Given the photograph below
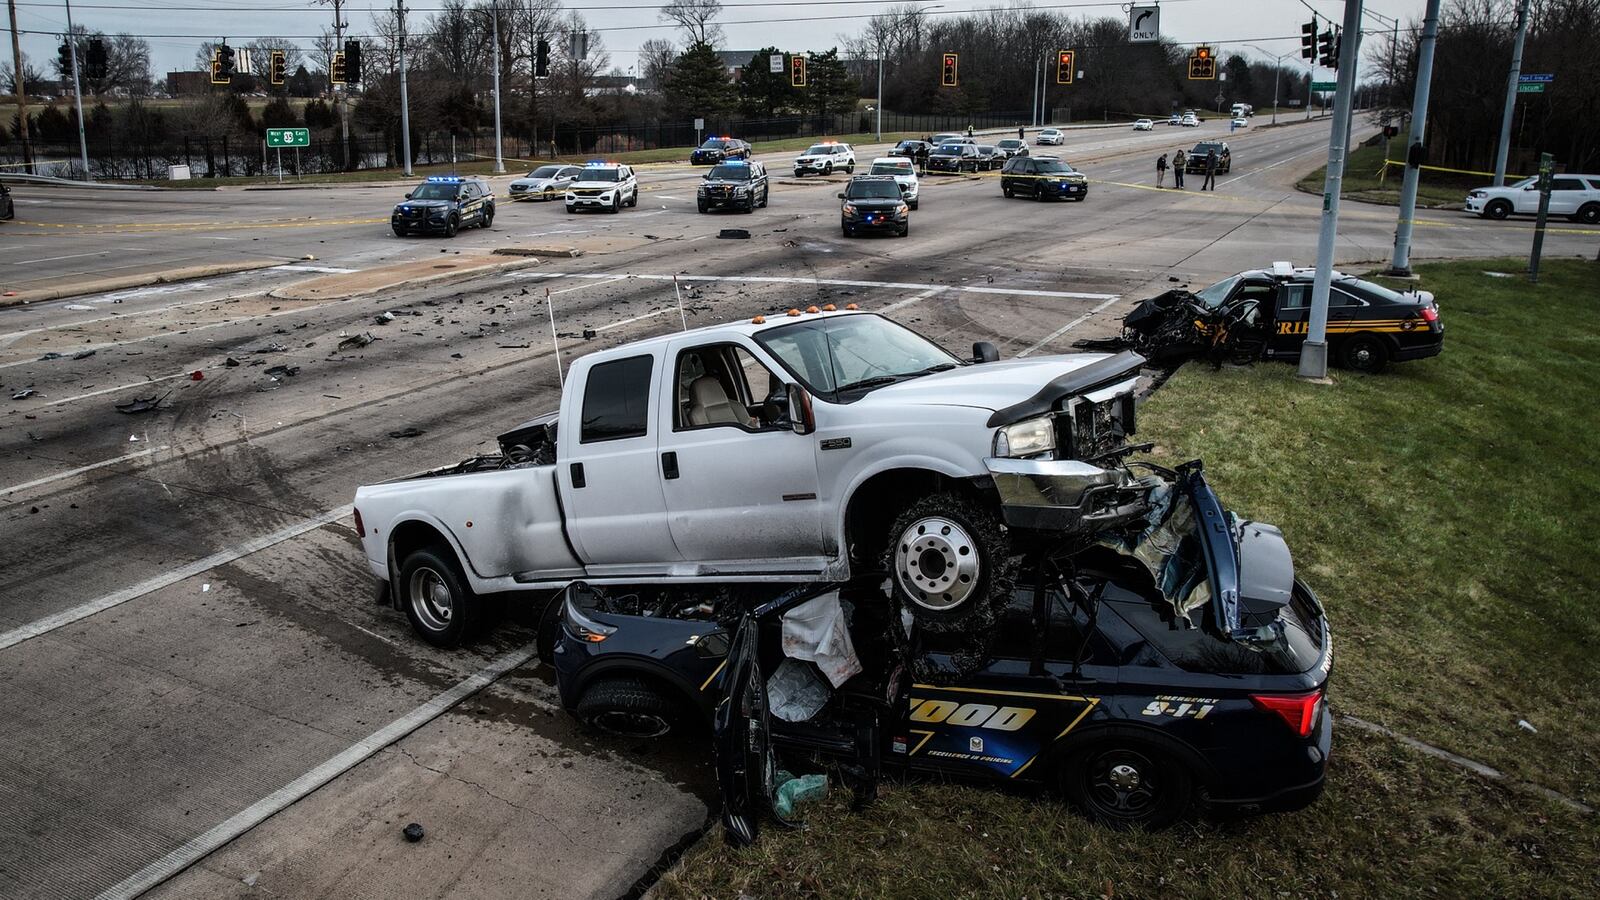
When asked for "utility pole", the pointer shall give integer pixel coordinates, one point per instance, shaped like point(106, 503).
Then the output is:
point(1035, 107)
point(1314, 352)
point(77, 92)
point(405, 103)
point(1511, 95)
point(339, 25)
point(1401, 263)
point(878, 126)
point(499, 158)
point(22, 92)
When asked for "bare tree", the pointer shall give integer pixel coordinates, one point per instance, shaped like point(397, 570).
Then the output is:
point(655, 59)
point(695, 18)
point(260, 51)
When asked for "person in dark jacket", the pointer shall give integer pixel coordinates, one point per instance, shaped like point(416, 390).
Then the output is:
point(922, 158)
point(1178, 162)
point(1020, 135)
point(1211, 172)
point(1161, 170)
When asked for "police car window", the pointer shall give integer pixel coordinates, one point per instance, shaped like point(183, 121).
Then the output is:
point(1565, 184)
point(1216, 293)
point(1337, 297)
point(1296, 296)
point(890, 168)
point(1053, 166)
point(601, 175)
point(819, 150)
point(878, 190)
point(731, 173)
point(616, 400)
point(435, 191)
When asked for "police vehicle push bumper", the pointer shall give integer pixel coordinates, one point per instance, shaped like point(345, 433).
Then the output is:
point(1065, 189)
point(422, 217)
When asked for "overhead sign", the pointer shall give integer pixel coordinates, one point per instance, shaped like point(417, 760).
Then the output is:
point(1535, 87)
point(775, 64)
point(1543, 79)
point(1144, 24)
point(288, 137)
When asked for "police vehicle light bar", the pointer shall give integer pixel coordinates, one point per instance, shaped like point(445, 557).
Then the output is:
point(445, 179)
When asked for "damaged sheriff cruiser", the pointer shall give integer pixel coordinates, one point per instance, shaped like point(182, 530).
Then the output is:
point(802, 447)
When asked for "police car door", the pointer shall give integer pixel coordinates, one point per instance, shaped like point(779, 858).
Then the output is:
point(742, 738)
point(1289, 332)
point(471, 203)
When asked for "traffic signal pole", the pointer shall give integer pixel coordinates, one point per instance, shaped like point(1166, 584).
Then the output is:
point(77, 92)
point(1401, 263)
point(21, 91)
point(1314, 352)
point(499, 158)
point(405, 103)
point(1511, 95)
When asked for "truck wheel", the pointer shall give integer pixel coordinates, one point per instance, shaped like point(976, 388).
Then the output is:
point(628, 708)
point(1364, 353)
point(437, 600)
point(952, 563)
point(1126, 784)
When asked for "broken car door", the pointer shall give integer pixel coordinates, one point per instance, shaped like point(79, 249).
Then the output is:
point(740, 484)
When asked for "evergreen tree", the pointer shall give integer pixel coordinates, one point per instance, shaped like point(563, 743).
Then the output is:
point(697, 83)
point(763, 92)
point(829, 88)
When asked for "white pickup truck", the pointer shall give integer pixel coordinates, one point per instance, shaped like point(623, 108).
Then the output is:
point(811, 445)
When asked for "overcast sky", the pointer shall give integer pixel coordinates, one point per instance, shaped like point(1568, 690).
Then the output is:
point(1272, 24)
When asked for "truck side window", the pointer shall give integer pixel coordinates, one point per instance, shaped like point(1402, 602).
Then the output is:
point(616, 400)
point(722, 384)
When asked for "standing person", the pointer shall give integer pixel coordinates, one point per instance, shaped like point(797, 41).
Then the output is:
point(1161, 170)
point(1211, 172)
point(922, 159)
point(1178, 162)
point(1020, 135)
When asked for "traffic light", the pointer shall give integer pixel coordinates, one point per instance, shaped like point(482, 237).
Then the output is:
point(225, 61)
point(352, 62)
point(1064, 67)
point(1325, 50)
point(276, 66)
point(1308, 39)
point(1202, 65)
point(948, 78)
point(64, 59)
point(95, 64)
point(1338, 46)
point(541, 59)
point(336, 74)
point(797, 70)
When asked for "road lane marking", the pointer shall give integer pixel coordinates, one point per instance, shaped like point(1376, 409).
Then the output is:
point(830, 282)
point(117, 598)
point(26, 485)
point(76, 323)
point(914, 298)
point(589, 285)
point(1068, 327)
point(331, 270)
point(124, 387)
point(220, 834)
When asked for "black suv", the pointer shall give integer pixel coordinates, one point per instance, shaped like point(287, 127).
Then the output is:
point(1042, 178)
point(911, 149)
point(717, 149)
point(1195, 163)
point(443, 204)
point(955, 158)
point(740, 185)
point(873, 203)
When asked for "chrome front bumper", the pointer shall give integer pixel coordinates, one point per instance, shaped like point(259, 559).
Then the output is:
point(1066, 495)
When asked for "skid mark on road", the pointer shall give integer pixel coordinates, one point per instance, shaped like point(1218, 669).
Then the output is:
point(81, 469)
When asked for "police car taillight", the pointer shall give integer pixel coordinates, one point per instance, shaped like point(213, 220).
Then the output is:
point(1429, 314)
point(1299, 711)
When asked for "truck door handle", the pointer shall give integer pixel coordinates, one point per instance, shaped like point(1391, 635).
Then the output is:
point(669, 465)
point(577, 475)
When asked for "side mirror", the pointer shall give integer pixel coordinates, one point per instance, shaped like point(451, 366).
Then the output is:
point(801, 418)
point(984, 352)
point(841, 195)
point(408, 195)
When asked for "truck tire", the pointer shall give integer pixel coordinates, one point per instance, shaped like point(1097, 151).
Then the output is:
point(1125, 783)
point(627, 708)
point(442, 608)
point(952, 564)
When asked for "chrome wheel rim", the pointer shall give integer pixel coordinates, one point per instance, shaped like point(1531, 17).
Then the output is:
point(937, 563)
point(431, 599)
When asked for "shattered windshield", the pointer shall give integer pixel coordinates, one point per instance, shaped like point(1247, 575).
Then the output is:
point(843, 353)
point(1215, 294)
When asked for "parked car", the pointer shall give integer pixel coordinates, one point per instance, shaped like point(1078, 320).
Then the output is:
point(954, 158)
point(846, 435)
point(950, 137)
point(717, 149)
point(1143, 125)
point(737, 184)
point(1195, 162)
point(1175, 119)
point(990, 157)
point(874, 203)
point(544, 183)
point(1013, 147)
point(904, 172)
point(1042, 178)
point(1050, 137)
point(1190, 120)
point(825, 158)
point(1574, 196)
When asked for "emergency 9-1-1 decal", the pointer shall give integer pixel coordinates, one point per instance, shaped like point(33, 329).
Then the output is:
point(1002, 731)
point(1180, 707)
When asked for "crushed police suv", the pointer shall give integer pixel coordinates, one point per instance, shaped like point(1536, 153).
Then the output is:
point(444, 204)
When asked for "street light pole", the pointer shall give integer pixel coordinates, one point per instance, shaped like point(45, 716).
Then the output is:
point(405, 103)
point(77, 92)
point(1511, 95)
point(499, 158)
point(1401, 263)
point(878, 127)
point(21, 91)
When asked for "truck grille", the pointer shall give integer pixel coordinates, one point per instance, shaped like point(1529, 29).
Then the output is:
point(1088, 430)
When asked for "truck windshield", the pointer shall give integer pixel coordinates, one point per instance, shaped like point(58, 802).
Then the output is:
point(846, 353)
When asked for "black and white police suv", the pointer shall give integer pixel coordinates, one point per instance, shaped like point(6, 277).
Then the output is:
point(444, 204)
point(737, 184)
point(826, 158)
point(717, 149)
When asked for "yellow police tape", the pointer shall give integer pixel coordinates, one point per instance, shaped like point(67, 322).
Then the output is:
point(1401, 163)
point(89, 228)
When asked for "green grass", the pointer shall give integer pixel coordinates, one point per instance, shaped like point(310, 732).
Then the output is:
point(1445, 511)
point(485, 167)
point(1366, 179)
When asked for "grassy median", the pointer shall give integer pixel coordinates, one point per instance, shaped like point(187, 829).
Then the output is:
point(1446, 512)
point(1367, 179)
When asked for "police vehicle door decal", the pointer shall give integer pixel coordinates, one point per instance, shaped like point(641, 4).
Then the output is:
point(999, 731)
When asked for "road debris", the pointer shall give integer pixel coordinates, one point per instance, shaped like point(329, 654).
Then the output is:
point(83, 354)
point(197, 375)
point(410, 431)
point(277, 372)
point(141, 405)
point(270, 347)
point(1527, 726)
point(356, 341)
point(24, 394)
point(49, 356)
point(231, 363)
point(383, 318)
point(413, 832)
point(739, 234)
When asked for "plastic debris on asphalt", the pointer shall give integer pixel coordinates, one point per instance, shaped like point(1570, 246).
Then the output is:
point(356, 340)
point(413, 832)
point(24, 394)
point(140, 405)
point(410, 431)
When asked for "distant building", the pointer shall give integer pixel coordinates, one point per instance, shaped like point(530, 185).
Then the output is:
point(188, 84)
point(735, 61)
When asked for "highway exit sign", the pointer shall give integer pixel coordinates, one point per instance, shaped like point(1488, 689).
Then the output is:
point(288, 137)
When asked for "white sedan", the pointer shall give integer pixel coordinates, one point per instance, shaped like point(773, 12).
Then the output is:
point(545, 182)
point(1050, 136)
point(1241, 122)
point(1144, 125)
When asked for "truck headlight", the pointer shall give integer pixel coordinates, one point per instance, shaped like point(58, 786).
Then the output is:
point(1027, 438)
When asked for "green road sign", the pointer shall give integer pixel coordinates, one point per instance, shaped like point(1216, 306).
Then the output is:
point(288, 137)
point(1324, 85)
point(1535, 87)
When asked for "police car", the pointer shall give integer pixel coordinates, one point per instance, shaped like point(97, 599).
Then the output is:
point(605, 186)
point(739, 184)
point(444, 204)
point(717, 149)
point(1158, 672)
point(824, 158)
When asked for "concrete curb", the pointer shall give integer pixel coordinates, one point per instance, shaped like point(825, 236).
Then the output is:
point(296, 291)
point(125, 282)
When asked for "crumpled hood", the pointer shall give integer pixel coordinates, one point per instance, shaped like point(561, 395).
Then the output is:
point(991, 386)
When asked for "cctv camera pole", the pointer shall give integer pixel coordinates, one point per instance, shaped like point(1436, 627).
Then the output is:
point(499, 159)
point(22, 92)
point(405, 104)
point(1314, 352)
point(1511, 95)
point(77, 91)
point(1401, 263)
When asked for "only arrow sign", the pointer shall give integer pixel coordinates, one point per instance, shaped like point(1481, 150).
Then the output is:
point(1144, 24)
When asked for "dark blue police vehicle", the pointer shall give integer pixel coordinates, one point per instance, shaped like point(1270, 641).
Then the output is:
point(444, 204)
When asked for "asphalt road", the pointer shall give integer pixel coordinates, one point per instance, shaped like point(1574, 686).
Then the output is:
point(187, 632)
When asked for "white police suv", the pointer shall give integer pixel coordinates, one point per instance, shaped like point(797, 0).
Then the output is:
point(604, 186)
